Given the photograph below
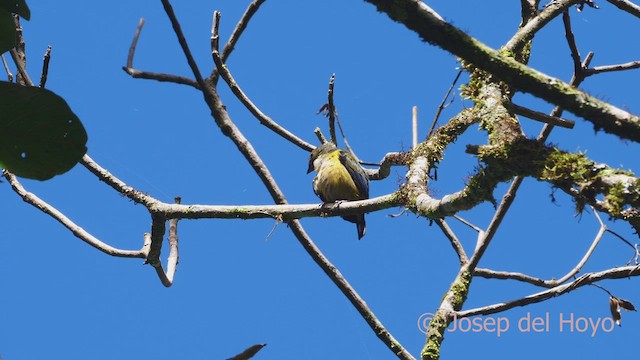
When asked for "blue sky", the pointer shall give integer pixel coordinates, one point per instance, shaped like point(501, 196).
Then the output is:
point(236, 285)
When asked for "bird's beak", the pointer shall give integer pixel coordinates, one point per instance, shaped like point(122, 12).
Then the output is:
point(310, 169)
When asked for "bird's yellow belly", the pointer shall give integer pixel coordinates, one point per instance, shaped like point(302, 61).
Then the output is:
point(335, 183)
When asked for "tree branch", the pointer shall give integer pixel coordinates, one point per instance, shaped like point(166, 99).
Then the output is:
point(264, 119)
point(228, 128)
point(536, 23)
point(627, 6)
point(76, 230)
point(538, 116)
point(138, 74)
point(241, 26)
point(586, 279)
point(418, 17)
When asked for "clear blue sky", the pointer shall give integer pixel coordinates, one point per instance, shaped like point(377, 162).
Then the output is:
point(237, 286)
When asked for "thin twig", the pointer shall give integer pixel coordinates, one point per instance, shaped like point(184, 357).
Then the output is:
point(538, 116)
point(586, 279)
point(608, 68)
point(536, 23)
point(215, 35)
point(138, 74)
point(172, 261)
point(469, 224)
point(503, 275)
point(158, 229)
point(19, 55)
point(18, 59)
point(320, 135)
point(576, 79)
point(45, 67)
point(485, 238)
point(117, 184)
point(6, 68)
point(453, 239)
point(627, 6)
point(511, 275)
point(338, 279)
point(346, 141)
point(134, 43)
point(573, 47)
point(332, 111)
point(585, 258)
point(414, 127)
point(443, 103)
point(636, 251)
point(241, 26)
point(257, 113)
point(76, 230)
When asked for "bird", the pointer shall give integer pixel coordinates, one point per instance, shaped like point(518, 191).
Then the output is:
point(339, 177)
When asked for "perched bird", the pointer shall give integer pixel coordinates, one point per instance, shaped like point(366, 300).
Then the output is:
point(339, 177)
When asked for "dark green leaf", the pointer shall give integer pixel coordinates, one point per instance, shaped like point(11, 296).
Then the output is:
point(40, 136)
point(7, 31)
point(16, 7)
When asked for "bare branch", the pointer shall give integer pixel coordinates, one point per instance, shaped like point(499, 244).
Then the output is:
point(503, 275)
point(138, 74)
point(134, 43)
point(283, 211)
point(485, 238)
point(414, 127)
point(627, 6)
point(573, 47)
point(338, 279)
point(6, 68)
point(19, 56)
point(172, 261)
point(469, 224)
point(509, 275)
point(528, 10)
point(455, 242)
point(215, 36)
point(384, 168)
point(252, 9)
point(443, 103)
point(538, 116)
point(608, 68)
point(117, 184)
point(576, 80)
point(76, 230)
point(45, 67)
point(331, 111)
point(586, 279)
point(264, 119)
point(526, 32)
point(241, 26)
point(21, 66)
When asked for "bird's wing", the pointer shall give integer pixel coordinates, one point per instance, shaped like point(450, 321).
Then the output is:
point(358, 175)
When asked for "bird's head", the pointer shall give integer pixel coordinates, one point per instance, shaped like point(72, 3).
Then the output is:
point(318, 153)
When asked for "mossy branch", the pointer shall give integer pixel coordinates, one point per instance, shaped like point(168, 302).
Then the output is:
point(431, 27)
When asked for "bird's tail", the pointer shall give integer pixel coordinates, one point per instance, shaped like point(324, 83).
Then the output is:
point(360, 223)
